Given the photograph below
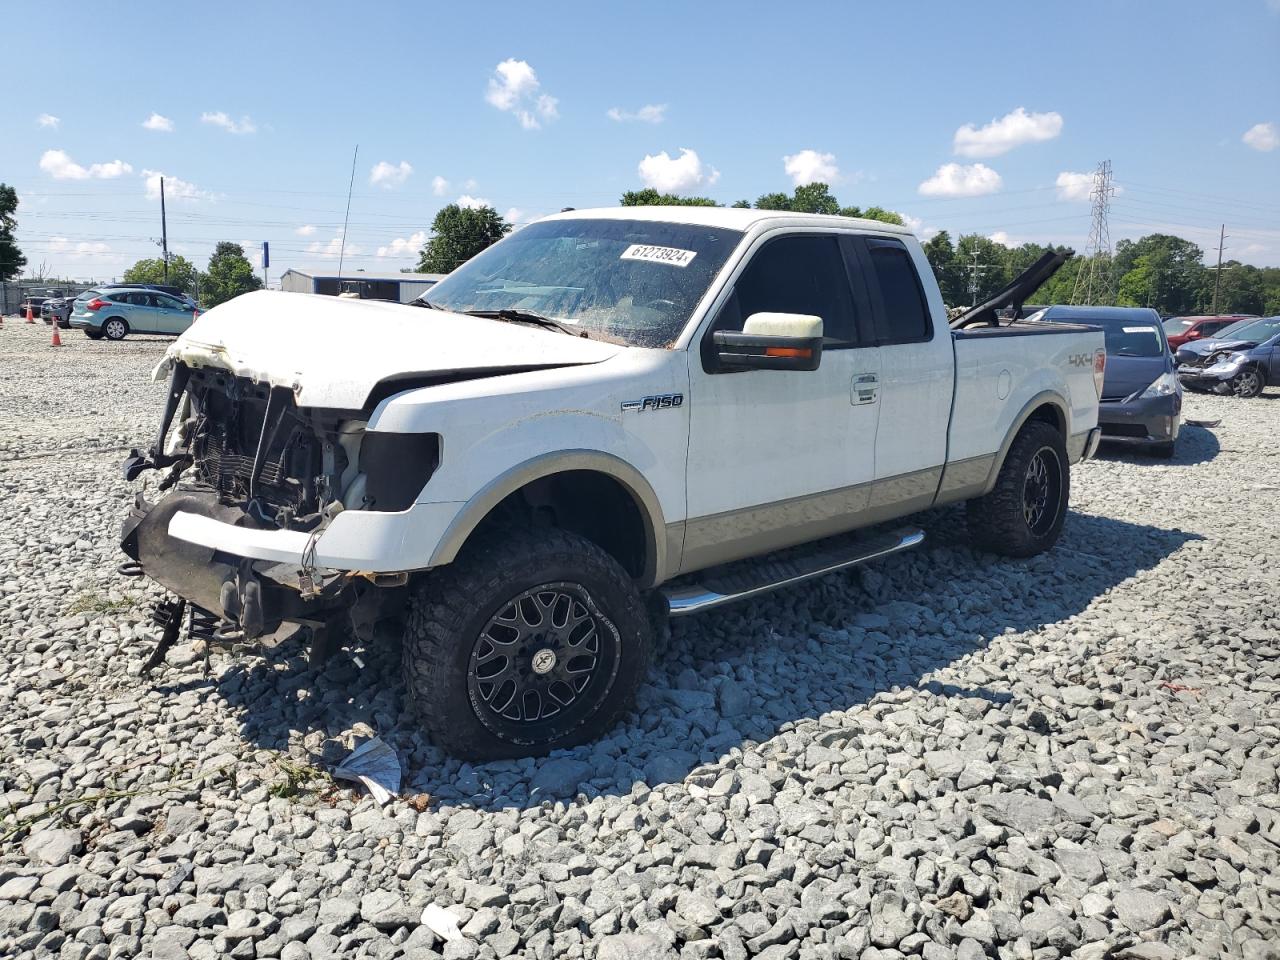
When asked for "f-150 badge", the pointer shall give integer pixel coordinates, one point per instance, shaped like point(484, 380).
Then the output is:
point(661, 402)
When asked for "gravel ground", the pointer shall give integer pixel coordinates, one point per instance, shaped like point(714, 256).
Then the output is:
point(947, 755)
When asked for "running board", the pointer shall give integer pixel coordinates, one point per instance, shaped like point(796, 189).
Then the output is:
point(749, 578)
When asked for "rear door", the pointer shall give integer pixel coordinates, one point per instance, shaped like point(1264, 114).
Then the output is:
point(782, 456)
point(917, 377)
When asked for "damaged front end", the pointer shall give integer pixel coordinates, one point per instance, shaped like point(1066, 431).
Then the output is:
point(240, 453)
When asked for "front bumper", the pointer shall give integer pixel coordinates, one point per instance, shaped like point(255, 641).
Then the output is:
point(1150, 420)
point(256, 594)
point(1210, 377)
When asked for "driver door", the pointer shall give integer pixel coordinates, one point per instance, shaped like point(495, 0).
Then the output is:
point(778, 457)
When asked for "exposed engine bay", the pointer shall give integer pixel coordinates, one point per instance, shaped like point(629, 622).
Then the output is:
point(242, 452)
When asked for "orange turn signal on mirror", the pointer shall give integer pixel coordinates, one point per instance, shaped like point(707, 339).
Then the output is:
point(798, 352)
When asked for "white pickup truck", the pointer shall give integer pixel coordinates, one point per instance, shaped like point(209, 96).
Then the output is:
point(598, 421)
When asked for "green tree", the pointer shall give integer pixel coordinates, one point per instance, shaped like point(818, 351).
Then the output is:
point(941, 254)
point(229, 275)
point(741, 204)
point(458, 234)
point(773, 201)
point(649, 197)
point(814, 198)
point(11, 259)
point(1173, 272)
point(182, 273)
point(883, 215)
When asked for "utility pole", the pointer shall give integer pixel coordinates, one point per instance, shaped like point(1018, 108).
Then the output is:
point(975, 270)
point(164, 233)
point(1217, 274)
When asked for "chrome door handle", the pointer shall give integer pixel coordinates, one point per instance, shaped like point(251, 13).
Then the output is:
point(864, 388)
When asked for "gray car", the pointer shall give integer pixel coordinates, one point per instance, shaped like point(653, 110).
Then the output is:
point(115, 313)
point(1141, 400)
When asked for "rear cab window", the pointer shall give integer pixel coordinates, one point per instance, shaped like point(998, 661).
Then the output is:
point(900, 310)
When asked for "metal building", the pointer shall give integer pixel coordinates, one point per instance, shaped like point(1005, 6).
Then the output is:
point(396, 287)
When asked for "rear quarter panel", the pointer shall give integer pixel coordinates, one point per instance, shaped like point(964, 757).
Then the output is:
point(1000, 379)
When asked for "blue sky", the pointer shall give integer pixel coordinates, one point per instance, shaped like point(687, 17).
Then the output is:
point(965, 117)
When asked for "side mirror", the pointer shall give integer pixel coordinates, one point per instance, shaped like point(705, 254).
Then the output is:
point(772, 341)
point(1194, 335)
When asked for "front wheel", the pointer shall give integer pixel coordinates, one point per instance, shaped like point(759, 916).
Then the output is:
point(1023, 514)
point(529, 642)
point(1248, 383)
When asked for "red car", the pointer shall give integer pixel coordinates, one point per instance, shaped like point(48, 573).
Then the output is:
point(1179, 330)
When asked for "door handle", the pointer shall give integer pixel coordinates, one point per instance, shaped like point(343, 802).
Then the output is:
point(864, 389)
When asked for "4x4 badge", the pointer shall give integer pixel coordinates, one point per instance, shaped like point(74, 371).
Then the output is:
point(661, 402)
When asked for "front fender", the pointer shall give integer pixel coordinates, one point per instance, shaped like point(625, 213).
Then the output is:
point(657, 549)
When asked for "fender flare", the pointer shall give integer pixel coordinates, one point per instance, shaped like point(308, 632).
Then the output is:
point(548, 464)
point(1049, 397)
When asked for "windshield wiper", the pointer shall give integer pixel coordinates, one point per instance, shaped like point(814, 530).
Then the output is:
point(525, 316)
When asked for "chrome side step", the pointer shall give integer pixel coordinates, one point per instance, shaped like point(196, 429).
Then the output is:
point(749, 578)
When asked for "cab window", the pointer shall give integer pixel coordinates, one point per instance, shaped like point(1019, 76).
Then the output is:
point(902, 315)
point(804, 273)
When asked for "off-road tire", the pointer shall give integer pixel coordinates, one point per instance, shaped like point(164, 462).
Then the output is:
point(1163, 451)
point(997, 521)
point(451, 606)
point(115, 328)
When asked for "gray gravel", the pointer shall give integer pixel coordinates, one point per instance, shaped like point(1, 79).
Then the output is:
point(948, 755)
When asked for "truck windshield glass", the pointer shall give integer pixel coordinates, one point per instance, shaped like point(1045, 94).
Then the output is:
point(628, 280)
point(1175, 325)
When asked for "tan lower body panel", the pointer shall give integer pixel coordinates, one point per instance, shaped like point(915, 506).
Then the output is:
point(752, 531)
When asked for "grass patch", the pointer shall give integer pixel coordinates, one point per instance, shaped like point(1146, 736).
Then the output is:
point(90, 601)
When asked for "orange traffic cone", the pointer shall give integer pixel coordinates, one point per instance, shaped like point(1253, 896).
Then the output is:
point(30, 318)
point(57, 340)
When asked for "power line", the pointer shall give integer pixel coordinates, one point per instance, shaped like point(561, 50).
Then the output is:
point(1217, 274)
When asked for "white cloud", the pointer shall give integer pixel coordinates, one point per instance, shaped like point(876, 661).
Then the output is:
point(48, 120)
point(390, 175)
point(1263, 136)
point(58, 165)
point(513, 215)
point(158, 123)
point(67, 250)
point(474, 203)
point(305, 230)
point(668, 174)
point(1002, 135)
point(404, 246)
point(1079, 186)
point(174, 188)
point(961, 180)
point(810, 166)
point(649, 113)
point(439, 185)
point(514, 88)
point(333, 249)
point(1003, 239)
point(220, 119)
point(917, 226)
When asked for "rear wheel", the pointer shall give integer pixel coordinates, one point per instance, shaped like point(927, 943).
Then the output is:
point(529, 642)
point(1023, 514)
point(1248, 383)
point(93, 334)
point(115, 329)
